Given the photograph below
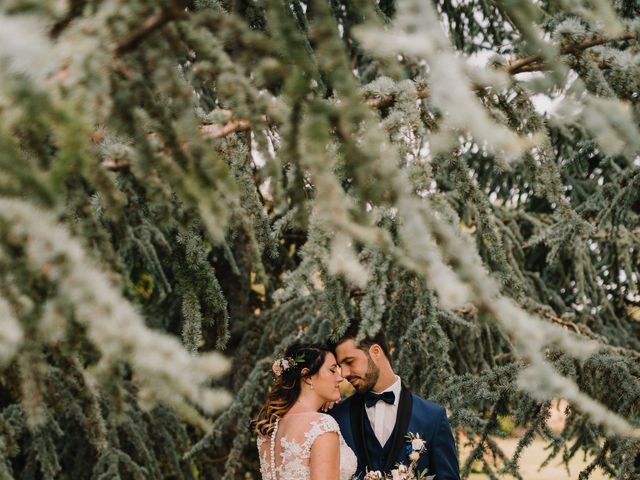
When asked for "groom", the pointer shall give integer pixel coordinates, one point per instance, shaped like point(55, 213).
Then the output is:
point(376, 419)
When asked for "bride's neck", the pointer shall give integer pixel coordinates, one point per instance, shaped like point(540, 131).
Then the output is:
point(306, 403)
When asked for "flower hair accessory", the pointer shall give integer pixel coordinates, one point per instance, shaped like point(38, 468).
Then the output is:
point(281, 365)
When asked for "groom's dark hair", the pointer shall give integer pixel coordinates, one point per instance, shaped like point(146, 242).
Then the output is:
point(351, 333)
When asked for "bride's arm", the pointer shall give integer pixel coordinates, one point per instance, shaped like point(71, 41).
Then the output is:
point(325, 457)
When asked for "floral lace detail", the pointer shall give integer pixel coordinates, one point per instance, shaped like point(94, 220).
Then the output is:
point(264, 460)
point(293, 461)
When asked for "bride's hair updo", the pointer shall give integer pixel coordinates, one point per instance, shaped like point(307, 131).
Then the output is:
point(287, 385)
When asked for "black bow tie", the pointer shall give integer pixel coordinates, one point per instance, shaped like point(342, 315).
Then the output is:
point(370, 398)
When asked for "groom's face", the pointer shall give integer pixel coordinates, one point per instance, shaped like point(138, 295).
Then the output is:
point(357, 366)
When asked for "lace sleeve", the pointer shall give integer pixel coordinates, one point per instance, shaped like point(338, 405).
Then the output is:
point(324, 424)
point(265, 471)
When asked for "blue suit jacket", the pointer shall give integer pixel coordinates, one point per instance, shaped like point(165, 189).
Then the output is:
point(415, 415)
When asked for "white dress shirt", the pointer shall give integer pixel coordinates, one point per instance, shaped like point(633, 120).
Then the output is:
point(382, 415)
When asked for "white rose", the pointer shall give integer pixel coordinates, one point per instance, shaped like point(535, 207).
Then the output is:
point(417, 444)
point(395, 474)
point(414, 456)
point(373, 475)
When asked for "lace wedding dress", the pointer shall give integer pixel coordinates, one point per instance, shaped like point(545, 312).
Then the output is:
point(285, 455)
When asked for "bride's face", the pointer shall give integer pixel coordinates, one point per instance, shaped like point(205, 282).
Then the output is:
point(326, 383)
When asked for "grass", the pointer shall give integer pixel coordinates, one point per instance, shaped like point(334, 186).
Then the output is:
point(532, 458)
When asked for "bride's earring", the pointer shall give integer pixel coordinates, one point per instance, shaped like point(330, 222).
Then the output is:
point(311, 385)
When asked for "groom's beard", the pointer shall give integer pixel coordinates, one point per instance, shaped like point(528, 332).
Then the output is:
point(366, 383)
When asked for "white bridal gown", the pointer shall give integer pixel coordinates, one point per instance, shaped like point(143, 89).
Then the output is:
point(285, 454)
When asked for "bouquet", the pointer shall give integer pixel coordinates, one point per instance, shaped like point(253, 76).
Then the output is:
point(417, 447)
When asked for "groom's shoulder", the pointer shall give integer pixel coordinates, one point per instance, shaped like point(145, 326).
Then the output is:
point(342, 409)
point(427, 408)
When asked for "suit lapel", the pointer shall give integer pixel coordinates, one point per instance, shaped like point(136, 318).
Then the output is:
point(405, 405)
point(357, 413)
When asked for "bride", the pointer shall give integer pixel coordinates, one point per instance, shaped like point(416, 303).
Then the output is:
point(295, 440)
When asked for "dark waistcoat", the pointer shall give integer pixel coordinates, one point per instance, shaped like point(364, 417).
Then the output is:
point(415, 415)
point(378, 455)
point(370, 453)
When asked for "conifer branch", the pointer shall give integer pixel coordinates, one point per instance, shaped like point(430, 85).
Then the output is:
point(563, 323)
point(606, 234)
point(75, 10)
point(214, 130)
point(388, 100)
point(113, 166)
point(531, 63)
point(534, 62)
point(218, 131)
point(150, 25)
